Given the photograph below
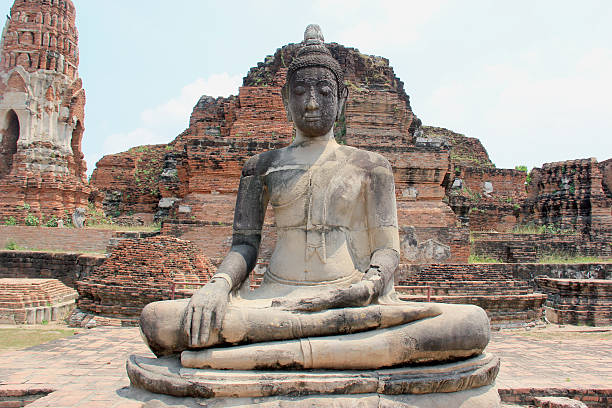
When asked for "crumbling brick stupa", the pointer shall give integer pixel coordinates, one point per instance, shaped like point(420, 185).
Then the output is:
point(196, 182)
point(42, 104)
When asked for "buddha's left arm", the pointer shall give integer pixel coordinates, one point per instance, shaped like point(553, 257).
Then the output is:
point(382, 228)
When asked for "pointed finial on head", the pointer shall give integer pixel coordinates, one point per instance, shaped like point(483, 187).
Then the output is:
point(313, 34)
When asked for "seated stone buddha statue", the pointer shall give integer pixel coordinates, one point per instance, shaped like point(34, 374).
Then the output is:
point(327, 299)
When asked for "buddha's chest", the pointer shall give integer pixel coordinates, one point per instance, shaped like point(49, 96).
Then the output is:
point(316, 194)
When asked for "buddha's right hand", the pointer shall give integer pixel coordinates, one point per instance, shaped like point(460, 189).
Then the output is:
point(205, 311)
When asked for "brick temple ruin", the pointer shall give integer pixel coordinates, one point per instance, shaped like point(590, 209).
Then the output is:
point(448, 190)
point(42, 102)
point(452, 200)
point(193, 181)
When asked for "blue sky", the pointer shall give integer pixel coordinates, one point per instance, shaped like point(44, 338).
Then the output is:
point(530, 79)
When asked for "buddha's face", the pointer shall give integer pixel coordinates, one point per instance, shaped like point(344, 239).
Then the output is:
point(313, 100)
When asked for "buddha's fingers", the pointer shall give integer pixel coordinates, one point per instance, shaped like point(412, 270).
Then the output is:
point(187, 322)
point(195, 326)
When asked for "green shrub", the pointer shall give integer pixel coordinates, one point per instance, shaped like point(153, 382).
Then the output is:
point(51, 222)
point(521, 168)
point(10, 221)
point(11, 245)
point(32, 220)
point(473, 258)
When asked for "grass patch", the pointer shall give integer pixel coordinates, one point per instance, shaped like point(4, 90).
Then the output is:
point(541, 229)
point(126, 228)
point(568, 259)
point(473, 259)
point(21, 337)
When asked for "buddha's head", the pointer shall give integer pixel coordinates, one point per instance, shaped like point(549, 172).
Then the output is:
point(314, 93)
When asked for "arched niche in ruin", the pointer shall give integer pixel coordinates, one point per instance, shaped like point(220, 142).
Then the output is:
point(75, 143)
point(24, 60)
point(8, 147)
point(16, 83)
point(27, 38)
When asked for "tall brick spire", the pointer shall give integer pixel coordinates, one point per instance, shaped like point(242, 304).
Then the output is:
point(41, 34)
point(42, 109)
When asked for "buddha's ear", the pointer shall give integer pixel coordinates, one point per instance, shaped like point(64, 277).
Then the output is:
point(342, 102)
point(285, 95)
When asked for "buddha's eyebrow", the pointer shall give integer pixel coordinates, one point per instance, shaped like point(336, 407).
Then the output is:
point(324, 82)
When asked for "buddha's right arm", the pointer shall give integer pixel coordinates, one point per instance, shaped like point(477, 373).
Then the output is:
point(207, 306)
point(249, 213)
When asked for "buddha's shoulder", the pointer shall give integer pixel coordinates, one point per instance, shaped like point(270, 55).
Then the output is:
point(260, 163)
point(364, 159)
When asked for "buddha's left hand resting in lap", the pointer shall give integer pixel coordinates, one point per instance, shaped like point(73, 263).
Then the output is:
point(327, 299)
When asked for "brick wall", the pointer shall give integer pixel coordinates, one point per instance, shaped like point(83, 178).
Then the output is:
point(56, 239)
point(523, 248)
point(502, 271)
point(573, 194)
point(66, 267)
point(507, 183)
point(577, 301)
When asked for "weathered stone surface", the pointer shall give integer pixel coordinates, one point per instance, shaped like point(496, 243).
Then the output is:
point(433, 381)
point(41, 113)
point(558, 402)
point(34, 301)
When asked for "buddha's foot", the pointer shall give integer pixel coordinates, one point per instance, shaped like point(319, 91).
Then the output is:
point(459, 332)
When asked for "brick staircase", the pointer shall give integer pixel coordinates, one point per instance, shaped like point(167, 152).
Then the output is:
point(508, 302)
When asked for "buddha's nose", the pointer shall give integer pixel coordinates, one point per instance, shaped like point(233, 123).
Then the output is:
point(312, 103)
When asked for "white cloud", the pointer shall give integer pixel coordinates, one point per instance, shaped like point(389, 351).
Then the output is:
point(528, 116)
point(389, 24)
point(179, 107)
point(162, 123)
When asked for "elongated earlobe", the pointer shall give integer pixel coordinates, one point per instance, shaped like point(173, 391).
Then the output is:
point(285, 95)
point(342, 102)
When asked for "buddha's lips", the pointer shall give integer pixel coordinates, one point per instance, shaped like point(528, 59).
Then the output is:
point(313, 118)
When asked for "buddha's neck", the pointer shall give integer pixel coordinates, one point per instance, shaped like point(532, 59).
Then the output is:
point(302, 141)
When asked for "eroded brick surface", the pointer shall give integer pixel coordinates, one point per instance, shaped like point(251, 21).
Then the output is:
point(578, 301)
point(42, 102)
point(30, 301)
point(142, 271)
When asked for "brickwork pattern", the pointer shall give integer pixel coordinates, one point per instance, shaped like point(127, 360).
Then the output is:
point(42, 112)
point(508, 301)
point(141, 271)
point(65, 267)
point(572, 195)
point(56, 239)
point(525, 248)
point(578, 301)
point(34, 300)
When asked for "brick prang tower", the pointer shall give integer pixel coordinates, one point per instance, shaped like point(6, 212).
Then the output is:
point(42, 109)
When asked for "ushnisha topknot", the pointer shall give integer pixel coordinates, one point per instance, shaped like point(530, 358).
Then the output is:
point(314, 53)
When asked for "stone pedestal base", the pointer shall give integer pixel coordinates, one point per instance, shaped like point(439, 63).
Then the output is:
point(462, 384)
